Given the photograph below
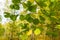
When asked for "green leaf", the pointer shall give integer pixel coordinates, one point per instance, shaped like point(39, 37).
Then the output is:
point(33, 26)
point(38, 27)
point(57, 7)
point(32, 8)
point(35, 21)
point(38, 0)
point(21, 25)
point(29, 18)
point(16, 1)
point(2, 30)
point(26, 29)
point(55, 34)
point(58, 27)
point(58, 20)
point(49, 27)
point(24, 5)
point(48, 33)
point(52, 5)
point(6, 14)
point(14, 6)
point(29, 6)
point(29, 3)
point(53, 0)
point(22, 17)
point(24, 37)
point(41, 3)
point(13, 17)
point(41, 0)
point(52, 19)
point(24, 26)
point(52, 13)
point(41, 28)
point(19, 33)
point(42, 19)
point(45, 13)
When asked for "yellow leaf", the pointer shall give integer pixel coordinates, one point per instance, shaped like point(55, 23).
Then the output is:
point(37, 31)
point(31, 1)
point(58, 27)
point(29, 32)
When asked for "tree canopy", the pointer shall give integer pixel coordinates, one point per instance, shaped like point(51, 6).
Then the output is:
point(39, 17)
